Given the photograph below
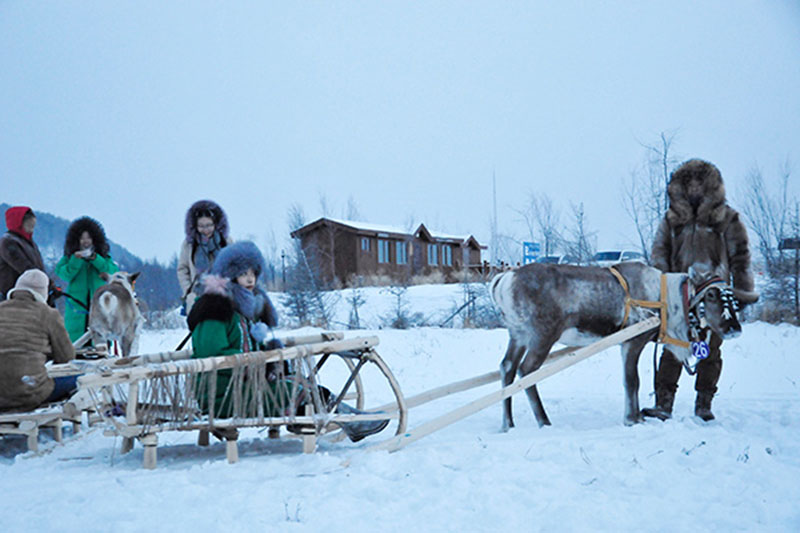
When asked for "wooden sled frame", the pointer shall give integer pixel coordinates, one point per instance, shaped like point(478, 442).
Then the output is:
point(29, 423)
point(109, 384)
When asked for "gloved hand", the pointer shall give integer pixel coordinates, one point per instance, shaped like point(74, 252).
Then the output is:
point(259, 332)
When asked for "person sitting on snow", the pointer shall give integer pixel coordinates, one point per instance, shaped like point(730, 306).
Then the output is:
point(32, 334)
point(233, 315)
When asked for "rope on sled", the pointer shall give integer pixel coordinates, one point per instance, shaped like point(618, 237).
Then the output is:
point(256, 391)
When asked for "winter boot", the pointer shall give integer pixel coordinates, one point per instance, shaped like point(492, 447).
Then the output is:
point(702, 406)
point(663, 408)
point(358, 430)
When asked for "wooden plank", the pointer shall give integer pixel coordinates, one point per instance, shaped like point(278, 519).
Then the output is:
point(221, 362)
point(521, 384)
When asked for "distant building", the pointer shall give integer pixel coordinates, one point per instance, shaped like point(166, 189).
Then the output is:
point(343, 249)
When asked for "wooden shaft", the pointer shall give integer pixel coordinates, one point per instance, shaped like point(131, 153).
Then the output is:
point(464, 385)
point(521, 384)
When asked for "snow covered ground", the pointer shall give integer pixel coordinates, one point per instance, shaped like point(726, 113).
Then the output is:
point(586, 472)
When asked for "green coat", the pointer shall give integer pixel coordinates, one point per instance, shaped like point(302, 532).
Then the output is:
point(83, 278)
point(212, 338)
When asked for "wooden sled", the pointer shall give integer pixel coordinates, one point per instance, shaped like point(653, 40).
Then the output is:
point(29, 423)
point(150, 394)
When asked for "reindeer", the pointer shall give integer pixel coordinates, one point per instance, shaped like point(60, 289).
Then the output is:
point(114, 313)
point(542, 304)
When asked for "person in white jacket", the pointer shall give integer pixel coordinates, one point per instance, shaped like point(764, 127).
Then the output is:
point(206, 227)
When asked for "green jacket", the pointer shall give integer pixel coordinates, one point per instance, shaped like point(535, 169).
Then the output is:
point(83, 278)
point(212, 338)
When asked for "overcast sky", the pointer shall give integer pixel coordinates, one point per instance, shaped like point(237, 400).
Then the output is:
point(128, 112)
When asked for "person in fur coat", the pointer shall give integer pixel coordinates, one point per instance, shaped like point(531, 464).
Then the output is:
point(699, 228)
point(86, 256)
point(18, 252)
point(206, 228)
point(234, 315)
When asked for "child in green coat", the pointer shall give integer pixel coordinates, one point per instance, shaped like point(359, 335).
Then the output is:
point(233, 315)
point(85, 258)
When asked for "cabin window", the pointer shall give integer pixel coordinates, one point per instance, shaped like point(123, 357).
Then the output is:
point(433, 256)
point(383, 251)
point(364, 244)
point(402, 253)
point(447, 256)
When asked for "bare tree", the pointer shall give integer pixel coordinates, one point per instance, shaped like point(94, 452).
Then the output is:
point(542, 220)
point(645, 196)
point(580, 242)
point(775, 220)
point(351, 211)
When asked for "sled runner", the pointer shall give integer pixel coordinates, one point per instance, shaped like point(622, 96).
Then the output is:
point(142, 396)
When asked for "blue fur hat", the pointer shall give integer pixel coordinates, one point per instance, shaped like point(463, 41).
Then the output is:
point(236, 258)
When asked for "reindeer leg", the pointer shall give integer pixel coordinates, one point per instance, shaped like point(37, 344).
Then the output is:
point(508, 368)
point(631, 351)
point(537, 353)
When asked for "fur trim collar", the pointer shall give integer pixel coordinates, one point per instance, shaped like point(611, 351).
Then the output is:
point(712, 209)
point(255, 306)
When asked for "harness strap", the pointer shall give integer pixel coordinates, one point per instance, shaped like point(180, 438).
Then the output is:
point(647, 304)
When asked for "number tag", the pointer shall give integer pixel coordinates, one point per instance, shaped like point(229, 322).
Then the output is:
point(700, 349)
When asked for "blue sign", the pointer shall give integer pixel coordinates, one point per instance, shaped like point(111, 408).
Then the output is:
point(530, 252)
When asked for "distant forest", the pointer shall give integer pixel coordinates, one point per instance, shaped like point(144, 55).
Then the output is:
point(157, 287)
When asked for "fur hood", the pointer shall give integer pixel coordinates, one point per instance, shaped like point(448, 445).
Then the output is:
point(206, 208)
point(234, 260)
point(96, 232)
point(712, 210)
point(221, 295)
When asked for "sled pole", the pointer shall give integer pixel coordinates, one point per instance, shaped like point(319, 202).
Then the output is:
point(521, 384)
point(463, 385)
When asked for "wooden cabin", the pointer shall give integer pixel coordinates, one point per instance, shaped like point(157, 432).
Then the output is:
point(341, 250)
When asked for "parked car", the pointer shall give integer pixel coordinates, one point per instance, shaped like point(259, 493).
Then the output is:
point(557, 259)
point(612, 257)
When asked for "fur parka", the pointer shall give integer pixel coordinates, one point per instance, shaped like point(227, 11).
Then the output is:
point(701, 228)
point(83, 274)
point(18, 252)
point(187, 270)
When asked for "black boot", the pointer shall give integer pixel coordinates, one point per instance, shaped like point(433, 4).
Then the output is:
point(702, 406)
point(358, 430)
point(663, 408)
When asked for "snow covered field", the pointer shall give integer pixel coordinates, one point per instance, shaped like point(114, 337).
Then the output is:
point(586, 472)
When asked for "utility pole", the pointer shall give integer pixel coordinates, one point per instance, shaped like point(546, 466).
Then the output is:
point(494, 255)
point(283, 269)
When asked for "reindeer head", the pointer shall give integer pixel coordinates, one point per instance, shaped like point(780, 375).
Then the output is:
point(122, 278)
point(716, 304)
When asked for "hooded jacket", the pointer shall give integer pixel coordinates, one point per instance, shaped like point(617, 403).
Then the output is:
point(33, 333)
point(187, 270)
point(83, 274)
point(18, 252)
point(699, 227)
point(222, 317)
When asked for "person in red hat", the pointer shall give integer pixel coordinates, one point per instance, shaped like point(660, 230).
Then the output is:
point(18, 252)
